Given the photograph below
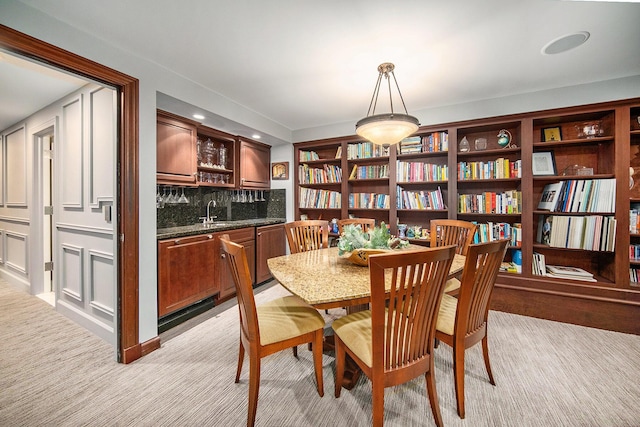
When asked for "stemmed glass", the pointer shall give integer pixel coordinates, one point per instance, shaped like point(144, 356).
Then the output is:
point(166, 197)
point(183, 198)
point(262, 199)
point(159, 199)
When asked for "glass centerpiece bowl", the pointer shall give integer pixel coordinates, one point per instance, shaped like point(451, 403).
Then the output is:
point(356, 245)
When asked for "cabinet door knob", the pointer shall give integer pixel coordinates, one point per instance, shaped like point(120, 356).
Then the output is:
point(223, 256)
point(209, 236)
point(177, 241)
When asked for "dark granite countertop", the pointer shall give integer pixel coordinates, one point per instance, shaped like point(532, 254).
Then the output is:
point(192, 230)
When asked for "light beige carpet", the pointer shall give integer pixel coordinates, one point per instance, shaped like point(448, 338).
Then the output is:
point(53, 373)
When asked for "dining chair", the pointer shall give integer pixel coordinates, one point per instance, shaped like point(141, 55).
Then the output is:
point(452, 232)
point(393, 341)
point(366, 223)
point(307, 235)
point(462, 321)
point(269, 328)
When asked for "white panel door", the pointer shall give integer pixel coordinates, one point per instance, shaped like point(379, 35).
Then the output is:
point(84, 200)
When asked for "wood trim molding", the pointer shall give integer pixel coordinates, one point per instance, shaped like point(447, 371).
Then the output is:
point(128, 94)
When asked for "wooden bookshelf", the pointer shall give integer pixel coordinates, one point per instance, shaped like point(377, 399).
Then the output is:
point(604, 138)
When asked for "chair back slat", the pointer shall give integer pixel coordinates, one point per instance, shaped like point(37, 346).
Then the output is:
point(452, 232)
point(239, 267)
point(308, 235)
point(406, 289)
point(476, 284)
point(366, 223)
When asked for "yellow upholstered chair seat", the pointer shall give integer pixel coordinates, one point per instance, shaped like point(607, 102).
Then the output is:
point(355, 329)
point(451, 285)
point(285, 318)
point(447, 314)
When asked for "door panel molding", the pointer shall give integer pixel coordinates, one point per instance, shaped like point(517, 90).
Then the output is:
point(129, 347)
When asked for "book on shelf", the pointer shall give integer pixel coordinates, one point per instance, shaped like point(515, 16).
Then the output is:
point(566, 272)
point(592, 232)
point(550, 195)
point(579, 195)
point(339, 152)
point(539, 266)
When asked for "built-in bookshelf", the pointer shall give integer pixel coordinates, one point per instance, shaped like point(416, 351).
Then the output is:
point(494, 172)
point(634, 196)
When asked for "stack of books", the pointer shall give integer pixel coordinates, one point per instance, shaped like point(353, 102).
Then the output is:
point(573, 273)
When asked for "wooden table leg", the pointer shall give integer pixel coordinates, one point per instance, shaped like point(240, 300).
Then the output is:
point(351, 370)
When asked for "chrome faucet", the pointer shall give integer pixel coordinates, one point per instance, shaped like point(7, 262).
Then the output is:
point(208, 219)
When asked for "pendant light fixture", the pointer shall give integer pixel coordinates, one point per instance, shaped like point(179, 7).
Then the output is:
point(388, 128)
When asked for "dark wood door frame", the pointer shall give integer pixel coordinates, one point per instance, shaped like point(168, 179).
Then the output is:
point(129, 347)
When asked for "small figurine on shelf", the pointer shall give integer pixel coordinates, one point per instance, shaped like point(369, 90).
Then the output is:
point(464, 147)
point(504, 139)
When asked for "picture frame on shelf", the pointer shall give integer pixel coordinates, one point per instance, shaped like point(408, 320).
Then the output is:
point(543, 163)
point(551, 134)
point(280, 170)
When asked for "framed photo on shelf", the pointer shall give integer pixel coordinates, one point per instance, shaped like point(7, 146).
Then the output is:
point(543, 163)
point(280, 170)
point(552, 134)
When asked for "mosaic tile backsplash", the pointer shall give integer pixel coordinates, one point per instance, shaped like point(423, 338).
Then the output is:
point(230, 205)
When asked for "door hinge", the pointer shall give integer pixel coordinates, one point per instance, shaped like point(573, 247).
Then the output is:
point(48, 266)
point(48, 210)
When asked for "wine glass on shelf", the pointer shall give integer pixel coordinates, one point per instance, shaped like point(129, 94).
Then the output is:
point(159, 199)
point(262, 199)
point(183, 198)
point(166, 197)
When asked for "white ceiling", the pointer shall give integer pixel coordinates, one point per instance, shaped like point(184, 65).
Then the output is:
point(307, 64)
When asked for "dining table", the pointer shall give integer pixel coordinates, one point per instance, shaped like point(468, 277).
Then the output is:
point(326, 280)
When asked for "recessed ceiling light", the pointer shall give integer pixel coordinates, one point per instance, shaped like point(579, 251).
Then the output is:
point(198, 116)
point(256, 136)
point(565, 43)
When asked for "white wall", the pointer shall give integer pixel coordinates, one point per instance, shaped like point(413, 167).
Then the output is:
point(155, 79)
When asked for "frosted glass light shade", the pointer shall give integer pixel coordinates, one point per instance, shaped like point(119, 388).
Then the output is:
point(387, 129)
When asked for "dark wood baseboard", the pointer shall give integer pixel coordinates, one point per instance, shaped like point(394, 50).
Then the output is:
point(149, 346)
point(131, 354)
point(603, 308)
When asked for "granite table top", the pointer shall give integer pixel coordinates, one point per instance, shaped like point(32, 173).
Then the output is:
point(193, 230)
point(326, 280)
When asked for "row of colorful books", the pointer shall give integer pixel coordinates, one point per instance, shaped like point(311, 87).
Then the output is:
point(419, 171)
point(369, 201)
point(592, 232)
point(579, 195)
point(490, 231)
point(509, 202)
point(369, 172)
point(500, 168)
point(420, 200)
point(434, 142)
point(324, 175)
point(366, 150)
point(320, 199)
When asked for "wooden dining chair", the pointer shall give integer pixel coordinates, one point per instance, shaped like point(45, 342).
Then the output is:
point(452, 232)
point(307, 235)
point(366, 223)
point(393, 341)
point(462, 321)
point(274, 326)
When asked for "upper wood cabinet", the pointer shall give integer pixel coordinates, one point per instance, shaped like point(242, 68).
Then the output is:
point(175, 150)
point(189, 153)
point(254, 161)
